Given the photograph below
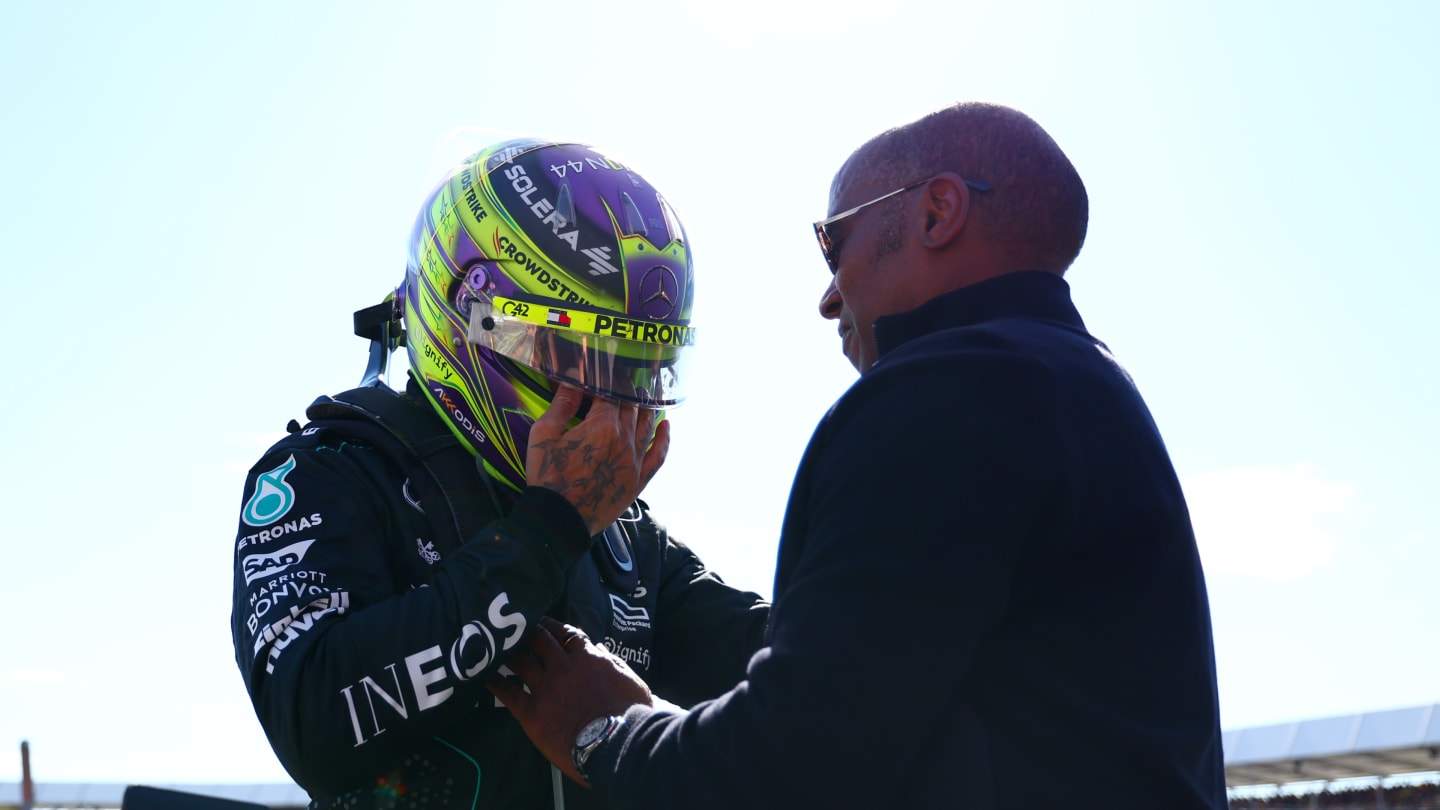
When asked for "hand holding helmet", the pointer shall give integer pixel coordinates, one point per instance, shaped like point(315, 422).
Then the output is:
point(539, 264)
point(601, 464)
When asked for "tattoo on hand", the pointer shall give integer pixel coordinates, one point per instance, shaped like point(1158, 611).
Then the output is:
point(602, 486)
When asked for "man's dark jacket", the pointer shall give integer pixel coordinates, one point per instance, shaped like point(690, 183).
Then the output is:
point(988, 594)
point(365, 628)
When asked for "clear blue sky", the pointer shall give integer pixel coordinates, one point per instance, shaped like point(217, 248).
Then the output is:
point(195, 196)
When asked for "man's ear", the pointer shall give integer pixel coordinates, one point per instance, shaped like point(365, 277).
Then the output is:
point(946, 208)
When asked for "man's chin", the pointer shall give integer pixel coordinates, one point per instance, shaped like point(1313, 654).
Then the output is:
point(850, 346)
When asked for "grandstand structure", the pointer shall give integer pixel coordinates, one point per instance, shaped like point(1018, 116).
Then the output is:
point(88, 795)
point(1260, 763)
point(1374, 744)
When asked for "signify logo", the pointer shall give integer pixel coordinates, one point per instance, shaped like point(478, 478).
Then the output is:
point(638, 657)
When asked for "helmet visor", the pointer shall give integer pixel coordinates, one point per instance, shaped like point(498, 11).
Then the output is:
point(606, 354)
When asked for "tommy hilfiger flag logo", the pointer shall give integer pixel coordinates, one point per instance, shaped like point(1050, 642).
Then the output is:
point(558, 317)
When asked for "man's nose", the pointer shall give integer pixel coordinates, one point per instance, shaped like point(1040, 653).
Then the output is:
point(830, 302)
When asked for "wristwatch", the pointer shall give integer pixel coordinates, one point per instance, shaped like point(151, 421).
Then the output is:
point(595, 732)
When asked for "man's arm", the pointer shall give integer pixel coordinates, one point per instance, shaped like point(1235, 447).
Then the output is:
point(905, 526)
point(347, 663)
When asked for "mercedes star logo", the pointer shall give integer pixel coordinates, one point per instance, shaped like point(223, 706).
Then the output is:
point(659, 292)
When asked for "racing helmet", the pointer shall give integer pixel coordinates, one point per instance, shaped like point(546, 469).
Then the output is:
point(532, 262)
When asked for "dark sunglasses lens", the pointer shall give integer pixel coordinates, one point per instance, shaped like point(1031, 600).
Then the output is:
point(826, 248)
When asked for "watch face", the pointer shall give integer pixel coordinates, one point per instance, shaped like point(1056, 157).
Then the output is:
point(591, 732)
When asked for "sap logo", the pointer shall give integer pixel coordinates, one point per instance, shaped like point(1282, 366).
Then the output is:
point(301, 618)
point(634, 656)
point(256, 566)
point(426, 678)
point(627, 616)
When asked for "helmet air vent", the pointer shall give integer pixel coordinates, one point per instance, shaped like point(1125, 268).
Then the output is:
point(672, 222)
point(565, 206)
point(634, 222)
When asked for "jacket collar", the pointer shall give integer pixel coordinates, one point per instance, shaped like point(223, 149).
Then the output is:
point(1032, 295)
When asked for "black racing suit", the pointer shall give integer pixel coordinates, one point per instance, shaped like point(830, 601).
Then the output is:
point(365, 628)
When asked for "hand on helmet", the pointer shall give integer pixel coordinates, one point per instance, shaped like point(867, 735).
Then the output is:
point(600, 465)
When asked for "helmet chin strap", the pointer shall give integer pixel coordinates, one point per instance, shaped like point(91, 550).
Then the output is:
point(382, 326)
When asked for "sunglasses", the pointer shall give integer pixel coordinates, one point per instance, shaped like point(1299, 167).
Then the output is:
point(822, 228)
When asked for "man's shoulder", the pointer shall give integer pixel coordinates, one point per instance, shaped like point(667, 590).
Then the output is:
point(1017, 351)
point(328, 442)
point(968, 380)
point(1015, 355)
point(1018, 335)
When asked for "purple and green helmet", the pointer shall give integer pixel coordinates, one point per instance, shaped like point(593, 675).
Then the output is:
point(534, 262)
